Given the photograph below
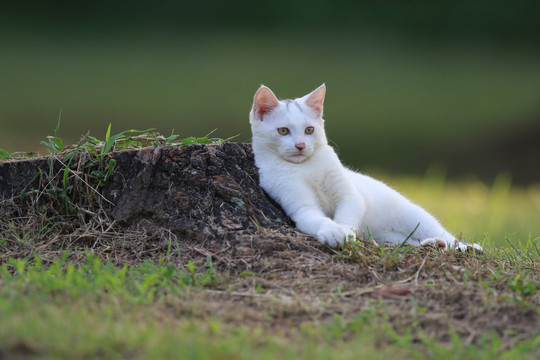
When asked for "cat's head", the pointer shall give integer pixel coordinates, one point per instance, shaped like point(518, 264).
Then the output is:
point(291, 129)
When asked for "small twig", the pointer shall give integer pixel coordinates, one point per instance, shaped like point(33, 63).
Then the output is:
point(419, 269)
point(376, 276)
point(416, 274)
point(110, 226)
point(87, 184)
point(362, 291)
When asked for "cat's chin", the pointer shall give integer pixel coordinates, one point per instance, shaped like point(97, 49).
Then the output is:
point(296, 158)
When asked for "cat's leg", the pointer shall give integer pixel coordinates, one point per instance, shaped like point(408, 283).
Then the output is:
point(390, 236)
point(349, 213)
point(443, 242)
point(439, 237)
point(311, 220)
point(430, 232)
point(301, 204)
point(435, 235)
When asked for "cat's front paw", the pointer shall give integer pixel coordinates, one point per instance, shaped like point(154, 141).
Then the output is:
point(351, 232)
point(333, 234)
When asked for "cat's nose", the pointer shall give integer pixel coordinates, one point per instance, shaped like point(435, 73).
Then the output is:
point(300, 146)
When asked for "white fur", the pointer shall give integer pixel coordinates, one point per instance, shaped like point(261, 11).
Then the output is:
point(303, 174)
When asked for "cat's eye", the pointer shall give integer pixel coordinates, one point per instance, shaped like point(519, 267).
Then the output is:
point(283, 131)
point(310, 130)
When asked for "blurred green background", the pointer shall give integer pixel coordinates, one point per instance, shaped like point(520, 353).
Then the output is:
point(413, 86)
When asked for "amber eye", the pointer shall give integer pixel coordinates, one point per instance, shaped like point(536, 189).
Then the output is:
point(283, 131)
point(309, 130)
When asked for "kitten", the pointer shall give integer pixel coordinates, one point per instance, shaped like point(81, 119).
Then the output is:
point(302, 173)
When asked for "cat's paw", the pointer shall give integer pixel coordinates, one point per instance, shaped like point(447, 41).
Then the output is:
point(333, 234)
point(351, 232)
point(435, 242)
point(458, 245)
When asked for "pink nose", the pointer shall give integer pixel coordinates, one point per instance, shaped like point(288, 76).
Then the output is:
point(300, 146)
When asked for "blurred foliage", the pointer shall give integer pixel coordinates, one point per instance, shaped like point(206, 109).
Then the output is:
point(485, 19)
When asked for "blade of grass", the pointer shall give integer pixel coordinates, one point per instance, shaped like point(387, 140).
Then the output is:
point(51, 165)
point(408, 236)
point(4, 154)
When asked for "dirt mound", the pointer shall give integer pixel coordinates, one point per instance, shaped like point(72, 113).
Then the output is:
point(131, 204)
point(196, 191)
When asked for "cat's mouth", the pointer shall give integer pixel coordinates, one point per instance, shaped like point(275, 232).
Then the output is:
point(297, 156)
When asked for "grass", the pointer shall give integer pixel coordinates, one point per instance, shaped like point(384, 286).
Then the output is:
point(67, 309)
point(125, 140)
point(93, 292)
point(127, 312)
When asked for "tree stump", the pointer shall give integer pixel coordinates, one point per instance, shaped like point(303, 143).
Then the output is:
point(195, 191)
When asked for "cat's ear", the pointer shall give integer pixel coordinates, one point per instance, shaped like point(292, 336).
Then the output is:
point(264, 101)
point(315, 100)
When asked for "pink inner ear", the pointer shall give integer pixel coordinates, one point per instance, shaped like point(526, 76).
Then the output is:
point(315, 100)
point(264, 101)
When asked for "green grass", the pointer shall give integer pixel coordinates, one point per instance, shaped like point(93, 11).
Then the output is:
point(125, 140)
point(152, 311)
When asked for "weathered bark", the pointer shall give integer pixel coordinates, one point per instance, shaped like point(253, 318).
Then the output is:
point(195, 191)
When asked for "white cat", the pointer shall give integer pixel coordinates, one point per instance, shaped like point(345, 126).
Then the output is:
point(302, 173)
